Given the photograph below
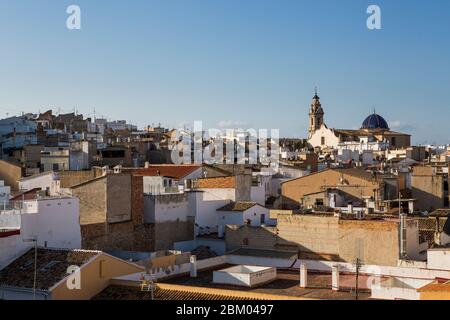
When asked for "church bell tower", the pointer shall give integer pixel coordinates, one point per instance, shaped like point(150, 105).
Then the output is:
point(315, 115)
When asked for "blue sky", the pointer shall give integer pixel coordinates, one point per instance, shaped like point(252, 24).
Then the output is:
point(251, 63)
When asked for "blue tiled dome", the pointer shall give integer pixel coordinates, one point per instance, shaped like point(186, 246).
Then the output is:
point(375, 121)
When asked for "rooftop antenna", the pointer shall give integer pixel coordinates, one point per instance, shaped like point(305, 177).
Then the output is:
point(358, 263)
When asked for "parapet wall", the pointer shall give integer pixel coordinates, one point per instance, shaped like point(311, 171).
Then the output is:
point(323, 237)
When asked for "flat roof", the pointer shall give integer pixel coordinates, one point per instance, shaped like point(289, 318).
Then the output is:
point(286, 284)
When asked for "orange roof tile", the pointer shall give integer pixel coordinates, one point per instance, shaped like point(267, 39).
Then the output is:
point(173, 171)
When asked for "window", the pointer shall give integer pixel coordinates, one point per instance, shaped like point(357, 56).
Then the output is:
point(55, 167)
point(322, 141)
point(319, 202)
point(263, 219)
point(393, 141)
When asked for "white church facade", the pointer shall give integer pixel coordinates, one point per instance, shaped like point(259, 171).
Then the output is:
point(374, 135)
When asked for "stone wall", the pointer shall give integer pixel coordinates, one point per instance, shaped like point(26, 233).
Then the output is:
point(92, 197)
point(427, 188)
point(309, 234)
point(71, 178)
point(118, 197)
point(122, 192)
point(374, 242)
point(120, 236)
point(318, 237)
point(166, 233)
point(253, 237)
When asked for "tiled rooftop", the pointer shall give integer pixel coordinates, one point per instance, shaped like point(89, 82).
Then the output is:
point(117, 292)
point(173, 171)
point(436, 286)
point(237, 206)
point(51, 268)
point(216, 183)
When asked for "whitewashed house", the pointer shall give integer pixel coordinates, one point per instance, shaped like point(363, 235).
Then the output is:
point(243, 212)
point(53, 221)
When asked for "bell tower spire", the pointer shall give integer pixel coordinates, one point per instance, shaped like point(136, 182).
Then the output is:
point(316, 115)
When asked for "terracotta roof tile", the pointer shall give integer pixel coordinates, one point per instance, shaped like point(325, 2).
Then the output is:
point(51, 268)
point(173, 171)
point(216, 183)
point(116, 292)
point(238, 206)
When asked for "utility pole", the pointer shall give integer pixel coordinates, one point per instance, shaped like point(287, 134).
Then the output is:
point(358, 266)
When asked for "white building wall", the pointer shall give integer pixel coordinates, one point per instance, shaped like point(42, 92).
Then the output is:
point(57, 223)
point(10, 248)
point(293, 173)
point(331, 141)
point(253, 214)
point(413, 246)
point(153, 185)
point(439, 259)
point(5, 193)
point(54, 221)
point(79, 158)
point(258, 216)
point(207, 202)
point(43, 181)
point(166, 208)
point(230, 218)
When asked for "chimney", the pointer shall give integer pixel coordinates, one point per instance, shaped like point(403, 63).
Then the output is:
point(193, 269)
point(303, 276)
point(350, 208)
point(437, 233)
point(335, 277)
point(402, 235)
point(361, 215)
